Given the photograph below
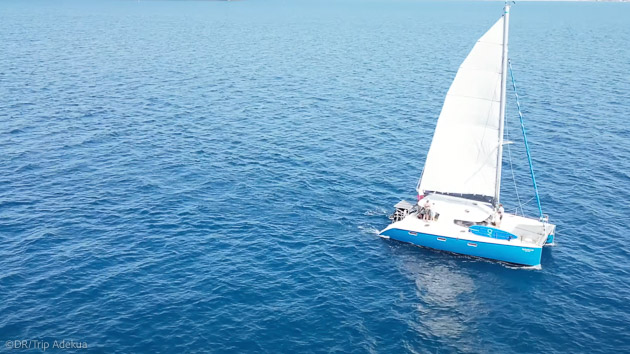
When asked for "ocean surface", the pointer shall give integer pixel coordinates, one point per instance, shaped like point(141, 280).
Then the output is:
point(198, 176)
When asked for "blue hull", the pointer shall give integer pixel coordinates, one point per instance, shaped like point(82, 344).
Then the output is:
point(529, 256)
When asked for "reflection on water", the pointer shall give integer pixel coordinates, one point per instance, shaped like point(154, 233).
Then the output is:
point(446, 297)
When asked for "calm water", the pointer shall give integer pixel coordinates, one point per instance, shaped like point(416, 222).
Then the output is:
point(210, 177)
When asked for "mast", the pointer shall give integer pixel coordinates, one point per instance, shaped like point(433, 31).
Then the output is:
point(504, 62)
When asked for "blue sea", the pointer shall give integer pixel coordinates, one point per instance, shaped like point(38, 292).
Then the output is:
point(201, 176)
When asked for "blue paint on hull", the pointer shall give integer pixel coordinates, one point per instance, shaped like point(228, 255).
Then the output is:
point(512, 254)
point(487, 231)
point(549, 240)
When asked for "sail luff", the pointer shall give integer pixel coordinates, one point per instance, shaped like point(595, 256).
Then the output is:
point(504, 62)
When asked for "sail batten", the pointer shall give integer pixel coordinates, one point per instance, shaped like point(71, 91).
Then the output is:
point(462, 159)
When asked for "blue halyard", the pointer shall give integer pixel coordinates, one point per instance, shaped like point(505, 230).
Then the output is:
point(529, 156)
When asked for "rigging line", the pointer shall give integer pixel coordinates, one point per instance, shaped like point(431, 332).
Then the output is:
point(529, 200)
point(529, 156)
point(518, 197)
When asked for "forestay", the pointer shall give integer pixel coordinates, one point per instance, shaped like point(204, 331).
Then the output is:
point(462, 159)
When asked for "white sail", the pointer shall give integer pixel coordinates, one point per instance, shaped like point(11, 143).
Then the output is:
point(462, 159)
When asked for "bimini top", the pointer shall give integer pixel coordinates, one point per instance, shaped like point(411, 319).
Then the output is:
point(462, 159)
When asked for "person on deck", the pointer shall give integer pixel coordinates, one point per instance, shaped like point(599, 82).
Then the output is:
point(499, 216)
point(427, 210)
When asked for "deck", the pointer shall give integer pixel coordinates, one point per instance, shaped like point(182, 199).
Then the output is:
point(455, 215)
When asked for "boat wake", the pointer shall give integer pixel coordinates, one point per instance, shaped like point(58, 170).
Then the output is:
point(377, 212)
point(369, 230)
point(511, 266)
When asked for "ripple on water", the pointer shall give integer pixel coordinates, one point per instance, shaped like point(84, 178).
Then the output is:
point(208, 176)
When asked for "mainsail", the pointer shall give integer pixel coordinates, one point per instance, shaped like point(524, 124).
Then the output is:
point(463, 159)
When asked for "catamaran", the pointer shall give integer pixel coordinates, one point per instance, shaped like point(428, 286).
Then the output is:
point(458, 208)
